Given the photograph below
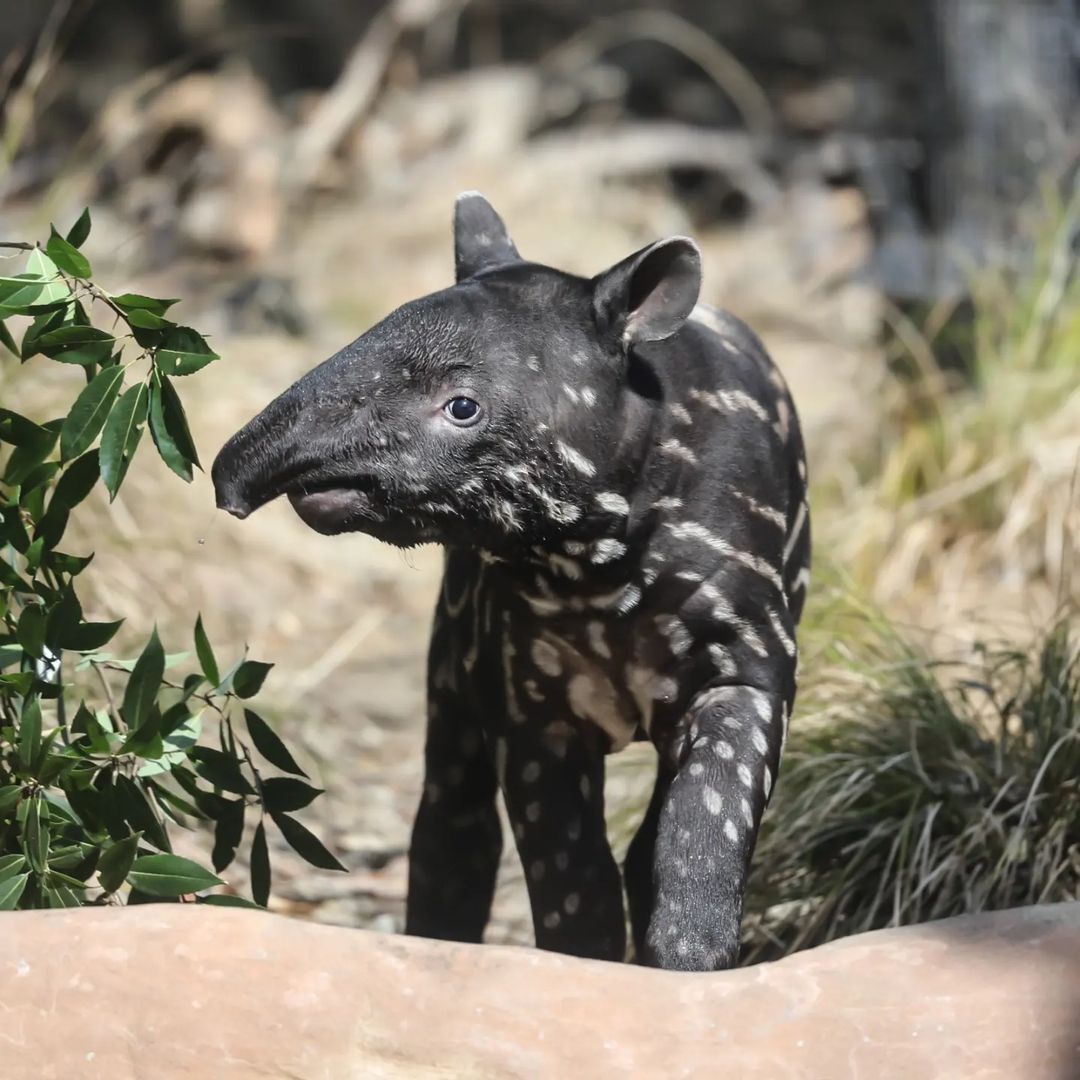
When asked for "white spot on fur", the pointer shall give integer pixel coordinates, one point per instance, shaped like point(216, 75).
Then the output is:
point(730, 831)
point(747, 813)
point(597, 641)
point(612, 502)
point(713, 803)
point(722, 660)
point(552, 920)
point(769, 513)
point(592, 697)
point(604, 551)
point(761, 744)
point(546, 657)
point(781, 632)
point(674, 448)
point(796, 530)
point(571, 903)
point(674, 629)
point(691, 530)
point(670, 502)
point(680, 413)
point(723, 612)
point(724, 750)
point(575, 459)
point(531, 773)
point(730, 401)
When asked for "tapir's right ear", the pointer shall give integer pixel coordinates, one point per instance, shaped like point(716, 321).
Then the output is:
point(650, 294)
point(480, 237)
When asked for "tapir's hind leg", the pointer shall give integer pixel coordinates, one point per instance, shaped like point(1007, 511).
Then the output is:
point(456, 839)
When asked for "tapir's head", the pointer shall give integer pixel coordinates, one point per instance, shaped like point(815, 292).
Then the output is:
point(492, 413)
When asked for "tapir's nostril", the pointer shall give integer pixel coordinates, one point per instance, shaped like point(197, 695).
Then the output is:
point(233, 507)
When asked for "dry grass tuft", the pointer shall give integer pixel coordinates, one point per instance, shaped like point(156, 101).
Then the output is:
point(976, 479)
point(923, 789)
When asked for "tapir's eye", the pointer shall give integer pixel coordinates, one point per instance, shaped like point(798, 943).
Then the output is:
point(462, 410)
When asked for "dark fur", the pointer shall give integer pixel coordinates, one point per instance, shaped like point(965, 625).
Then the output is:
point(627, 549)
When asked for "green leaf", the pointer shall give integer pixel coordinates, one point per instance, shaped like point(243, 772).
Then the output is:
point(78, 232)
point(30, 733)
point(304, 842)
point(286, 793)
point(205, 653)
point(129, 302)
point(260, 867)
point(89, 636)
point(17, 430)
point(65, 614)
point(221, 770)
point(67, 256)
point(10, 865)
point(227, 833)
point(139, 813)
point(91, 409)
point(227, 900)
point(9, 797)
point(249, 677)
point(170, 875)
point(143, 684)
point(116, 860)
point(36, 834)
point(11, 891)
point(269, 744)
point(166, 445)
point(55, 289)
point(61, 896)
point(146, 320)
point(123, 429)
point(26, 457)
point(7, 340)
point(65, 337)
point(77, 481)
point(176, 422)
point(183, 351)
point(18, 293)
point(30, 630)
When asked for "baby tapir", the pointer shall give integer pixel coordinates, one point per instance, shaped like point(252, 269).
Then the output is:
point(617, 475)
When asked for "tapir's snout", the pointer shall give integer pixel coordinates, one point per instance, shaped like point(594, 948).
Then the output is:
point(228, 490)
point(263, 458)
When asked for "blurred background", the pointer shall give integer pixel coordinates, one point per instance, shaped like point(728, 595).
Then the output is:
point(885, 192)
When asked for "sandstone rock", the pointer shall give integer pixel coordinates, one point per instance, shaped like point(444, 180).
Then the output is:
point(174, 991)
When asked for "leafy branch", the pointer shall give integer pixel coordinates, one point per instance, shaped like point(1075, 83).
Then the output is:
point(91, 784)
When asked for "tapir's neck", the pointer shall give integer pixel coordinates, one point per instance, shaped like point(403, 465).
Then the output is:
point(601, 551)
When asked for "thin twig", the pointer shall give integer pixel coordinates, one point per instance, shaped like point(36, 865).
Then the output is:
point(683, 36)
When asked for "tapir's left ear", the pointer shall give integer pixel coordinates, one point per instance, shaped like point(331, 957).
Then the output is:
point(649, 295)
point(480, 237)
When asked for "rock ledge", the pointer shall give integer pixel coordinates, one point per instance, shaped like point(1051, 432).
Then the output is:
point(174, 991)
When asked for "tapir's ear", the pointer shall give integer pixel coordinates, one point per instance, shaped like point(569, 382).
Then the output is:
point(649, 295)
point(480, 237)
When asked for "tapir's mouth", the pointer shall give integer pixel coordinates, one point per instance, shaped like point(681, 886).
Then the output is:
point(334, 509)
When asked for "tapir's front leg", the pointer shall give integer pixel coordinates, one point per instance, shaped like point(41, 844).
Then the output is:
point(456, 838)
point(728, 753)
point(553, 781)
